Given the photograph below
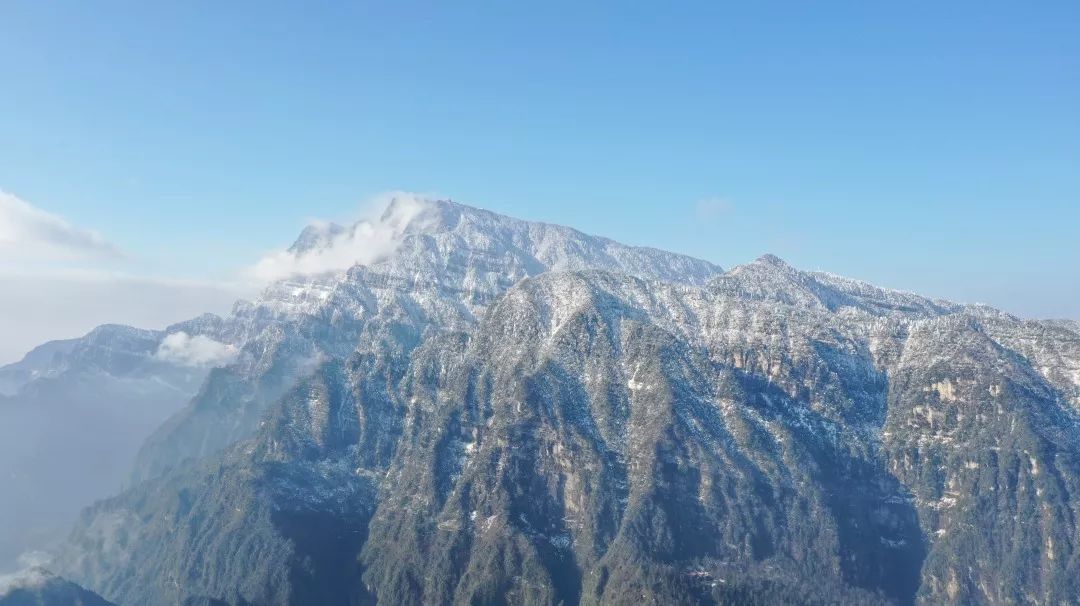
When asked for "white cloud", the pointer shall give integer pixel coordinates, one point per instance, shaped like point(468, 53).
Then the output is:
point(34, 558)
point(26, 579)
point(198, 350)
point(27, 232)
point(711, 208)
point(58, 281)
point(366, 242)
point(30, 574)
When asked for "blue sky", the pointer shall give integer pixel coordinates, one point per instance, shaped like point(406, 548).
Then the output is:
point(932, 147)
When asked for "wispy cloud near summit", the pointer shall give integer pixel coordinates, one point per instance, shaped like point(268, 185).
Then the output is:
point(198, 350)
point(330, 248)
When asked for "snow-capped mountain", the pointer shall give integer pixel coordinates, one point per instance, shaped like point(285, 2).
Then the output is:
point(477, 409)
point(441, 265)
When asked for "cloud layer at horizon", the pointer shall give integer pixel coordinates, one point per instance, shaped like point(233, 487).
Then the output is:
point(60, 280)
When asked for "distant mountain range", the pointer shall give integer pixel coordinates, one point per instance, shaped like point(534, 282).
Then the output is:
point(488, 410)
point(72, 417)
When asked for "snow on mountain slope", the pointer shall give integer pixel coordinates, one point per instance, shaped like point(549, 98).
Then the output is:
point(433, 266)
point(448, 405)
point(596, 437)
point(771, 278)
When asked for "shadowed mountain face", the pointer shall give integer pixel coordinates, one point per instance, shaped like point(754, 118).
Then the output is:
point(507, 412)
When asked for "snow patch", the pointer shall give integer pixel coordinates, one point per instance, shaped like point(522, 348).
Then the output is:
point(560, 541)
point(946, 390)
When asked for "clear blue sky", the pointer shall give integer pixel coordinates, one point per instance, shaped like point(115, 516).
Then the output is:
point(926, 146)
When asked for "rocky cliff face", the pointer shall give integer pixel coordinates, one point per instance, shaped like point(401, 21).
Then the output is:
point(502, 412)
point(447, 264)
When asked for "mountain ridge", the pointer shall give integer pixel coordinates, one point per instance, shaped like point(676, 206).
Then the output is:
point(449, 262)
point(498, 410)
point(810, 396)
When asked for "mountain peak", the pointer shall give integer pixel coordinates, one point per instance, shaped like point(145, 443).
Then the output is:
point(774, 265)
point(403, 210)
point(416, 233)
point(316, 235)
point(771, 259)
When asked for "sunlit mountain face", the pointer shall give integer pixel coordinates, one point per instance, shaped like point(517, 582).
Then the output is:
point(446, 405)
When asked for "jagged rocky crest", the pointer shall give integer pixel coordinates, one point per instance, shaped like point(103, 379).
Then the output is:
point(498, 411)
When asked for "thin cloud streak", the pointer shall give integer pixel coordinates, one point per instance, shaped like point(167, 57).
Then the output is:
point(30, 233)
point(711, 208)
